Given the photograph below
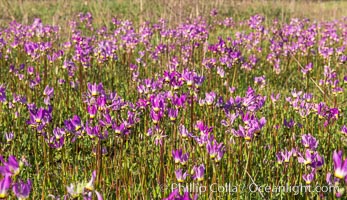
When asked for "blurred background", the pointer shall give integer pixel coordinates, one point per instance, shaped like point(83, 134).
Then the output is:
point(58, 12)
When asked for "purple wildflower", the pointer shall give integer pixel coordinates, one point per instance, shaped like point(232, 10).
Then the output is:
point(309, 141)
point(340, 165)
point(22, 189)
point(308, 178)
point(180, 176)
point(5, 185)
point(199, 172)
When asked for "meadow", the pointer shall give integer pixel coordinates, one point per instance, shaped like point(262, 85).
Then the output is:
point(168, 100)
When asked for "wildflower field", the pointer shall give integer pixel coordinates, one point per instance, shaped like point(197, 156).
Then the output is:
point(210, 107)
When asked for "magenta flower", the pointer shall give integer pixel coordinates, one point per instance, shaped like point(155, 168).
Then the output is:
point(101, 102)
point(308, 178)
point(119, 129)
point(158, 139)
point(213, 148)
point(307, 69)
point(58, 132)
point(247, 134)
point(199, 125)
point(220, 155)
point(318, 162)
point(309, 141)
point(5, 185)
point(261, 81)
point(56, 143)
point(210, 98)
point(274, 98)
point(184, 158)
point(183, 131)
point(284, 156)
point(175, 195)
point(340, 165)
point(76, 122)
point(340, 191)
point(344, 130)
point(179, 101)
point(329, 180)
point(279, 158)
point(157, 103)
point(9, 168)
point(188, 76)
point(95, 90)
point(90, 184)
point(36, 117)
point(172, 113)
point(84, 189)
point(199, 172)
point(156, 116)
point(22, 189)
point(9, 136)
point(308, 158)
point(106, 120)
point(289, 124)
point(180, 176)
point(92, 110)
point(48, 92)
point(177, 155)
point(221, 72)
point(2, 93)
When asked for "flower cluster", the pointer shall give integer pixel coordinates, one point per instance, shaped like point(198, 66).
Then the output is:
point(9, 171)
